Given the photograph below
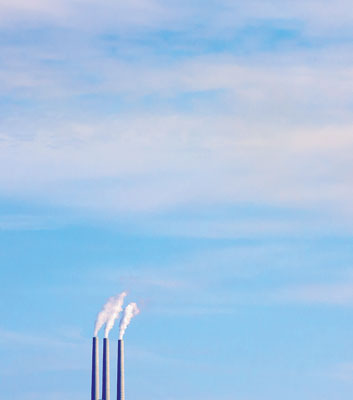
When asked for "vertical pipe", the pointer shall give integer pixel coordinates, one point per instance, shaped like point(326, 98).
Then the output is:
point(106, 373)
point(95, 370)
point(121, 391)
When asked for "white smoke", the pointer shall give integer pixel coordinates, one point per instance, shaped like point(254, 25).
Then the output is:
point(117, 308)
point(130, 311)
point(107, 310)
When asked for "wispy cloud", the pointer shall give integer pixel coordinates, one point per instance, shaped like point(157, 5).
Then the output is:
point(141, 13)
point(29, 222)
point(218, 16)
point(47, 353)
point(35, 339)
point(343, 372)
point(335, 294)
point(168, 165)
point(180, 131)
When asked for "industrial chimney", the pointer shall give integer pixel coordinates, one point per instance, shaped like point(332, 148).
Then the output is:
point(95, 370)
point(106, 373)
point(121, 393)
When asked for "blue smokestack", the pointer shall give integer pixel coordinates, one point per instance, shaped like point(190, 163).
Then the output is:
point(106, 372)
point(95, 370)
point(121, 389)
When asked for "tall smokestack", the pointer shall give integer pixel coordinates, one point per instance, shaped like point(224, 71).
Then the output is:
point(106, 377)
point(95, 370)
point(121, 392)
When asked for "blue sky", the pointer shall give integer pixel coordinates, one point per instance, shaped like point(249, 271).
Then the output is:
point(197, 154)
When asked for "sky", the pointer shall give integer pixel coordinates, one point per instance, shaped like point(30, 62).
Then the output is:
point(197, 154)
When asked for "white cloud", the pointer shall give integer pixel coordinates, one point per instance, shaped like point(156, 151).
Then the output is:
point(274, 132)
point(155, 163)
point(316, 15)
point(337, 294)
point(343, 372)
point(87, 15)
point(37, 340)
point(28, 222)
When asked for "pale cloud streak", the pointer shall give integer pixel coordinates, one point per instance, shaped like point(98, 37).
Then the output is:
point(256, 130)
point(86, 15)
point(333, 294)
point(153, 163)
point(317, 16)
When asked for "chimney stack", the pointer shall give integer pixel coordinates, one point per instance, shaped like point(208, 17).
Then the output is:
point(121, 393)
point(106, 372)
point(95, 370)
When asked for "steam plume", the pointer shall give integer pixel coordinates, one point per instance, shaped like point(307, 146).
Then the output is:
point(130, 311)
point(107, 310)
point(117, 308)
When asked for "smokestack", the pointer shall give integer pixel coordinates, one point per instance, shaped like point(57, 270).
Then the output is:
point(106, 377)
point(95, 370)
point(121, 392)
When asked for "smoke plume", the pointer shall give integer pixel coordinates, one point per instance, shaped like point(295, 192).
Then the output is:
point(130, 311)
point(107, 311)
point(117, 308)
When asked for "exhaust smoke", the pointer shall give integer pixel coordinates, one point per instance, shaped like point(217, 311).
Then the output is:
point(109, 312)
point(130, 311)
point(116, 309)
